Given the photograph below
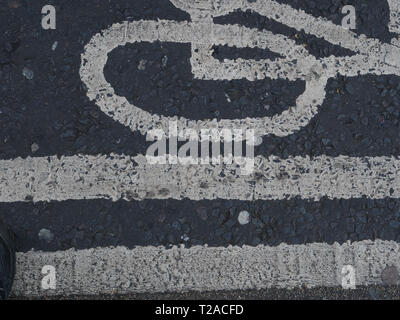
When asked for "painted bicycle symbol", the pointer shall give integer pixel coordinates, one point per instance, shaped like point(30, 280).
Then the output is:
point(371, 57)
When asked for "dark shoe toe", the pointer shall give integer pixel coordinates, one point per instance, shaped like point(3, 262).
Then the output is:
point(7, 260)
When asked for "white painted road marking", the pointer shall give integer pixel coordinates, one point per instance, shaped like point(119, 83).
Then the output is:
point(151, 269)
point(373, 57)
point(121, 177)
point(95, 58)
point(132, 178)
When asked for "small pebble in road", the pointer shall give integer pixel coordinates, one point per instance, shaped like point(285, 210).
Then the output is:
point(46, 235)
point(244, 217)
point(27, 73)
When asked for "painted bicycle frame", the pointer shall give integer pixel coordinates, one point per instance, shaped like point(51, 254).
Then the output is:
point(371, 57)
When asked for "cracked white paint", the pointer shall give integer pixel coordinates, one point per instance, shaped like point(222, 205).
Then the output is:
point(394, 22)
point(200, 268)
point(132, 178)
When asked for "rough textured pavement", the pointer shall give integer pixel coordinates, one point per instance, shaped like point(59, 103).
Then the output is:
point(45, 112)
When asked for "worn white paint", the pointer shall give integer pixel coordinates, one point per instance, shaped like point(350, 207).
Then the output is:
point(372, 57)
point(122, 177)
point(204, 67)
point(201, 268)
point(132, 178)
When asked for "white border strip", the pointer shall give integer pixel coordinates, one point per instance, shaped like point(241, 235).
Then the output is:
point(132, 178)
point(155, 269)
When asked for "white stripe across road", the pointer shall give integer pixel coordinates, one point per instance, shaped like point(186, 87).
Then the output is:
point(132, 178)
point(201, 268)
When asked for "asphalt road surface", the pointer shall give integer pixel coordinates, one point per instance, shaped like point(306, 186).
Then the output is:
point(77, 102)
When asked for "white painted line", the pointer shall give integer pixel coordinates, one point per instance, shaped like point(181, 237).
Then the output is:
point(122, 177)
point(394, 22)
point(156, 269)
